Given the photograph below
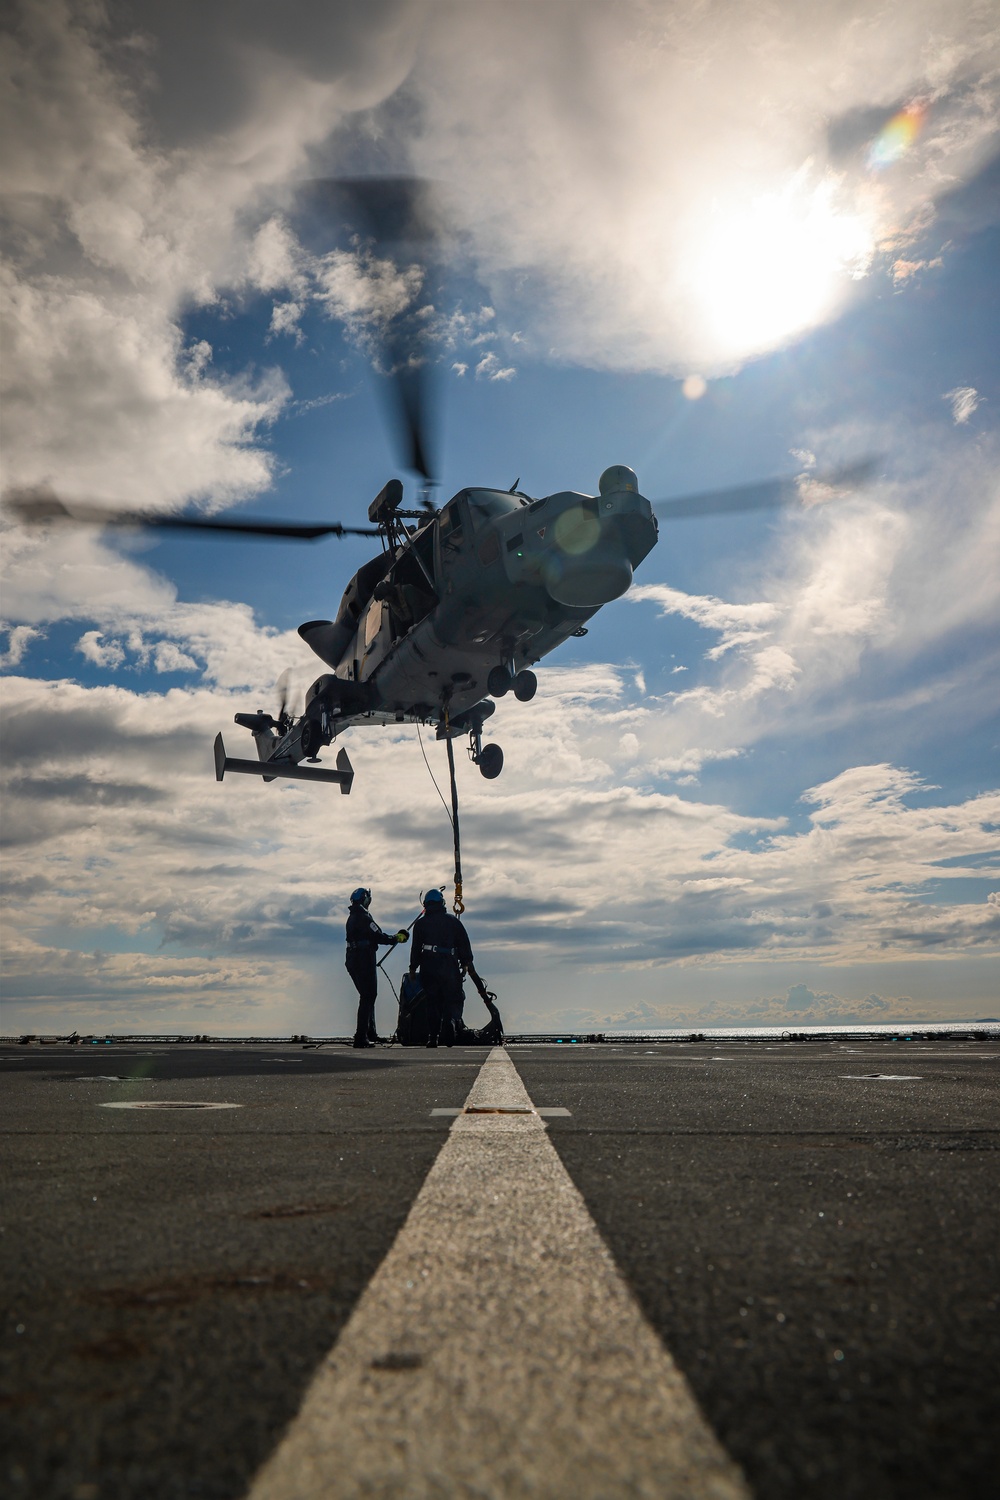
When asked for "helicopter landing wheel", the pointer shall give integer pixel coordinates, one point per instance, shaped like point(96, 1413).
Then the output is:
point(525, 686)
point(499, 681)
point(311, 738)
point(490, 762)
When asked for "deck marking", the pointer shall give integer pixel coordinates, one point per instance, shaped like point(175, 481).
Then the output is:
point(497, 1352)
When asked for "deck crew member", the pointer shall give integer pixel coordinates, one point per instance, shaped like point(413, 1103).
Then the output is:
point(363, 938)
point(439, 951)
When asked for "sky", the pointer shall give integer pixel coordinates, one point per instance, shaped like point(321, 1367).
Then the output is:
point(713, 241)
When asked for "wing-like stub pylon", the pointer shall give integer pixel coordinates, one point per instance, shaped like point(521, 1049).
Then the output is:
point(343, 776)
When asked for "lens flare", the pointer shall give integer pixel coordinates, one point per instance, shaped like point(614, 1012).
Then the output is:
point(577, 531)
point(897, 136)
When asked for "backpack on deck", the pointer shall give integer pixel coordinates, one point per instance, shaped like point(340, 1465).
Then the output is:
point(413, 1029)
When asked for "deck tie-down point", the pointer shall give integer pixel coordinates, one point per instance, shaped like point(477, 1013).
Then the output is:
point(503, 1109)
point(498, 1109)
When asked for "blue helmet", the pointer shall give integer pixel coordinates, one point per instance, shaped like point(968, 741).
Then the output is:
point(434, 897)
point(361, 897)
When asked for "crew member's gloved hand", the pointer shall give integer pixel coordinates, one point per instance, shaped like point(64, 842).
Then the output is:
point(401, 936)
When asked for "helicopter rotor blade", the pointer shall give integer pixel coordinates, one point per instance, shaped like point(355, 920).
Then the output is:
point(283, 687)
point(400, 217)
point(37, 507)
point(766, 494)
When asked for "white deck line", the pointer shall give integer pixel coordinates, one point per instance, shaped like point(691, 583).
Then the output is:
point(497, 1353)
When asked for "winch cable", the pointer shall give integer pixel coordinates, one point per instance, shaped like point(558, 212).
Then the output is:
point(385, 971)
point(458, 906)
point(388, 951)
point(423, 752)
point(395, 993)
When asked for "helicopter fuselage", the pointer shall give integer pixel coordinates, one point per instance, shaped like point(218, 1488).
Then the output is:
point(461, 606)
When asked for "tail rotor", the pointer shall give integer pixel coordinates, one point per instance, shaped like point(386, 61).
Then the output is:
point(283, 688)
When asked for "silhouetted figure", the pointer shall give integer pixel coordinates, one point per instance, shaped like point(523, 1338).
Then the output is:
point(363, 938)
point(439, 951)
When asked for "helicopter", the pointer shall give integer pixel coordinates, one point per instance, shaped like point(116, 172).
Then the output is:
point(459, 607)
point(455, 609)
point(460, 604)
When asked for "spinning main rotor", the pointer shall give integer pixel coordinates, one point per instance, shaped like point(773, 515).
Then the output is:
point(399, 218)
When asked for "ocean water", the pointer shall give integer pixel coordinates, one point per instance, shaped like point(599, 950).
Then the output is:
point(987, 1028)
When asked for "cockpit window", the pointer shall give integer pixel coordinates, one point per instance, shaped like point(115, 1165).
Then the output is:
point(487, 505)
point(450, 522)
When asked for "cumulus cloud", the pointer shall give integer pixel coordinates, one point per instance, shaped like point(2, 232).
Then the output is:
point(168, 657)
point(114, 231)
point(738, 624)
point(285, 319)
point(362, 288)
point(141, 182)
point(64, 573)
point(711, 205)
point(102, 653)
point(276, 261)
point(58, 990)
point(722, 196)
point(100, 400)
point(690, 761)
point(19, 638)
point(110, 793)
point(879, 603)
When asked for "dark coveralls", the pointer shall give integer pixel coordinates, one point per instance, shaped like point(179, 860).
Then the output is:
point(440, 943)
point(363, 937)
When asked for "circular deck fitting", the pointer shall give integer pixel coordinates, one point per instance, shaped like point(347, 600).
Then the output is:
point(165, 1104)
point(884, 1077)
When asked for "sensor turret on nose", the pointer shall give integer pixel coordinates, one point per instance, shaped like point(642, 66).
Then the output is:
point(618, 477)
point(597, 542)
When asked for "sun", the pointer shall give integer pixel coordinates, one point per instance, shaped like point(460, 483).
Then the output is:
point(771, 268)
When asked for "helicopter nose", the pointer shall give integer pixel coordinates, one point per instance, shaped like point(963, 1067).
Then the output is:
point(585, 583)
